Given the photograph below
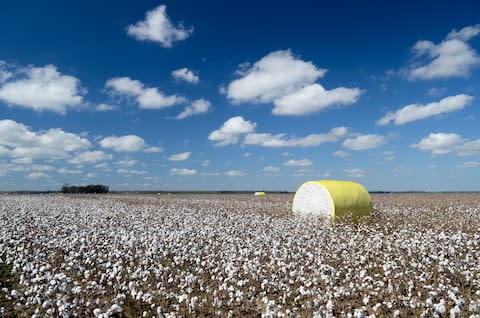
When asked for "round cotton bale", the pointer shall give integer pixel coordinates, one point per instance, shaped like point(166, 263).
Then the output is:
point(332, 199)
point(259, 194)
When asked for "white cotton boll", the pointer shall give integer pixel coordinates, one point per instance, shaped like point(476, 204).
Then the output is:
point(116, 309)
point(97, 312)
point(15, 294)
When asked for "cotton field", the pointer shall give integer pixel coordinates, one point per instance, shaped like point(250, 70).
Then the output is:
point(236, 256)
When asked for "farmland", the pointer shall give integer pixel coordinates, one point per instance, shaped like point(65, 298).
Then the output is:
point(185, 255)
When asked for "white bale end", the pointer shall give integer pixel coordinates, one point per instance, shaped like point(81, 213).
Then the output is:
point(313, 199)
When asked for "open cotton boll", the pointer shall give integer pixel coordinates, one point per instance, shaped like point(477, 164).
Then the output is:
point(330, 199)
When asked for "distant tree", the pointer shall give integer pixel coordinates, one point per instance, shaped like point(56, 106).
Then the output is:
point(91, 188)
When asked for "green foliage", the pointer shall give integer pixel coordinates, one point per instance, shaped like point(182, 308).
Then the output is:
point(91, 188)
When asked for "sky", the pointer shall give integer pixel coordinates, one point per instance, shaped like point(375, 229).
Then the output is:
point(239, 95)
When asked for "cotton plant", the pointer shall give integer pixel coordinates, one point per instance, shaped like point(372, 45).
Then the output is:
point(192, 255)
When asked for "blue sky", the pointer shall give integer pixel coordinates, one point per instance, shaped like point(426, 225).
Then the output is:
point(215, 95)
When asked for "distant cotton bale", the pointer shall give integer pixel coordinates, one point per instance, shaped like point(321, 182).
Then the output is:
point(332, 199)
point(259, 194)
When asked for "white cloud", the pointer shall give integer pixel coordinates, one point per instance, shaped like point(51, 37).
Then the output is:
point(183, 172)
point(69, 171)
point(153, 149)
point(43, 88)
point(128, 143)
point(314, 98)
point(125, 85)
point(247, 155)
point(152, 98)
point(271, 169)
point(186, 75)
point(105, 108)
point(180, 156)
point(388, 155)
point(275, 75)
point(466, 33)
point(235, 173)
point(289, 83)
point(279, 140)
point(147, 98)
point(364, 142)
point(126, 163)
point(197, 107)
point(18, 141)
point(355, 173)
point(469, 165)
point(298, 163)
point(205, 163)
point(469, 148)
point(453, 57)
point(341, 154)
point(90, 157)
point(130, 172)
point(37, 175)
point(230, 132)
point(440, 143)
point(104, 166)
point(157, 27)
point(91, 175)
point(415, 112)
point(37, 167)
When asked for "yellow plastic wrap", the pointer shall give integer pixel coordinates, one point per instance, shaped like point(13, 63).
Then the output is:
point(332, 198)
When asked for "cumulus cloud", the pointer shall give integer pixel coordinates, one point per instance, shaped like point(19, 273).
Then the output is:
point(236, 127)
point(279, 140)
point(289, 83)
point(157, 27)
point(314, 98)
point(37, 175)
point(440, 143)
point(355, 173)
point(153, 149)
point(197, 107)
point(18, 141)
point(364, 142)
point(186, 75)
point(415, 112)
point(131, 172)
point(275, 75)
point(180, 156)
point(444, 143)
point(230, 132)
point(90, 157)
point(298, 163)
point(69, 171)
point(105, 108)
point(42, 88)
point(469, 165)
point(183, 172)
point(341, 154)
point(147, 98)
point(453, 57)
point(235, 173)
point(127, 163)
point(128, 143)
point(271, 169)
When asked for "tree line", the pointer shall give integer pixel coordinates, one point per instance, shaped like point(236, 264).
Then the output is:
point(91, 188)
